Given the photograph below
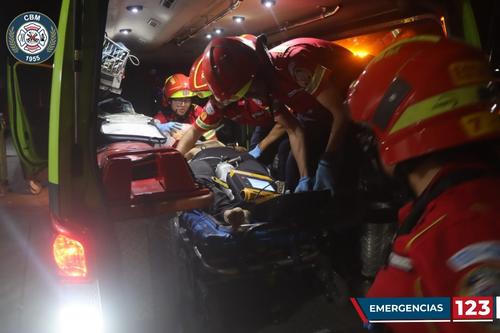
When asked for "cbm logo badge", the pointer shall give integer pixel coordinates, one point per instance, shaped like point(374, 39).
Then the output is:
point(32, 37)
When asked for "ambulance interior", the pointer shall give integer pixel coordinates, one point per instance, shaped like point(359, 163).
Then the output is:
point(153, 41)
point(215, 265)
point(168, 36)
point(161, 39)
point(165, 38)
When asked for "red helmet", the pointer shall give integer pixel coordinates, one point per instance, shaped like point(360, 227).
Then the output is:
point(229, 65)
point(425, 94)
point(176, 86)
point(197, 81)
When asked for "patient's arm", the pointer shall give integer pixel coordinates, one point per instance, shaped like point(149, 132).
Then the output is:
point(207, 144)
point(189, 139)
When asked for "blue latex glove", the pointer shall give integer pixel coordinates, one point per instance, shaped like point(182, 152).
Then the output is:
point(324, 177)
point(304, 184)
point(170, 126)
point(256, 152)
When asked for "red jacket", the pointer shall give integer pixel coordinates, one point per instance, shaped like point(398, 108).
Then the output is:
point(303, 69)
point(453, 250)
point(245, 111)
point(188, 118)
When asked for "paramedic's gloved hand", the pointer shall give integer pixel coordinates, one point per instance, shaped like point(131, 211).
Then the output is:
point(256, 152)
point(170, 126)
point(324, 177)
point(304, 185)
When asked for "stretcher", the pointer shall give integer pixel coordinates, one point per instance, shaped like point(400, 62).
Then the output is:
point(282, 231)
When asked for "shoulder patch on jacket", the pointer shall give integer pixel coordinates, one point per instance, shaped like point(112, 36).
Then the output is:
point(483, 280)
point(209, 109)
point(472, 254)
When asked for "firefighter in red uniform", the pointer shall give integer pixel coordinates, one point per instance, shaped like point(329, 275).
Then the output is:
point(304, 78)
point(431, 105)
point(249, 111)
point(179, 109)
point(177, 102)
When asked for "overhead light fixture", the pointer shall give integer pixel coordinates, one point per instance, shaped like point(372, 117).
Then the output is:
point(218, 31)
point(125, 31)
point(134, 9)
point(360, 53)
point(208, 36)
point(238, 19)
point(268, 3)
point(154, 23)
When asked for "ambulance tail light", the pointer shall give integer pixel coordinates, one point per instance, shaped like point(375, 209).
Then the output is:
point(71, 252)
point(69, 255)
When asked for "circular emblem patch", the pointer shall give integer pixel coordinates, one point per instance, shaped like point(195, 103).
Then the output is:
point(32, 37)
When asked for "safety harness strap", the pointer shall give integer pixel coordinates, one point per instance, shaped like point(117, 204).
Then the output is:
point(450, 180)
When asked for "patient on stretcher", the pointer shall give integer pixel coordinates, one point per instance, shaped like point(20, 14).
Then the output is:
point(239, 183)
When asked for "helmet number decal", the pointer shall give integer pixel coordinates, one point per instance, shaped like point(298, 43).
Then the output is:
point(469, 72)
point(480, 123)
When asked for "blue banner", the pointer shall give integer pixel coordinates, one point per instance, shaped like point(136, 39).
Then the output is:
point(404, 309)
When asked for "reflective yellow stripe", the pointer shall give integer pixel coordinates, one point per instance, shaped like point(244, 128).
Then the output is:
point(237, 96)
point(203, 94)
point(414, 238)
point(436, 105)
point(316, 79)
point(184, 93)
point(167, 79)
point(204, 126)
point(394, 48)
point(204, 84)
point(471, 32)
point(209, 135)
point(242, 92)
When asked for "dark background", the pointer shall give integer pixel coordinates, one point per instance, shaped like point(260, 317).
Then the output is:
point(49, 8)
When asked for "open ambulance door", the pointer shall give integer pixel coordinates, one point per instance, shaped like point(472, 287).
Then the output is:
point(28, 93)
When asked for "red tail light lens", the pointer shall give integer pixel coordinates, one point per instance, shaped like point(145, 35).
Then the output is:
point(69, 255)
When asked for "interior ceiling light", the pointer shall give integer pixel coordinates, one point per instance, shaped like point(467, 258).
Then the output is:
point(268, 3)
point(218, 31)
point(208, 36)
point(134, 9)
point(125, 31)
point(238, 19)
point(360, 53)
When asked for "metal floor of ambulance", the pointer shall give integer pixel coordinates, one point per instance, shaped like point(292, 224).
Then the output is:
point(26, 288)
